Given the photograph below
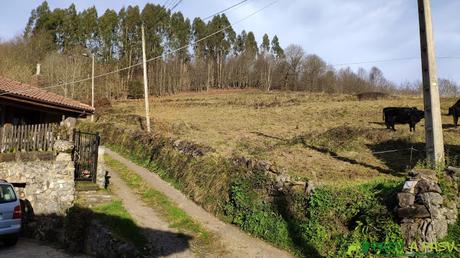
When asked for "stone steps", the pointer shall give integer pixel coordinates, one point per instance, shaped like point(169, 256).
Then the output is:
point(86, 186)
point(93, 198)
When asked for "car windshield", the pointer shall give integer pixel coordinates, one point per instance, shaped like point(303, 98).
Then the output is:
point(7, 194)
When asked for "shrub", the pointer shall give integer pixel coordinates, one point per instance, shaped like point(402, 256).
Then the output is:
point(135, 90)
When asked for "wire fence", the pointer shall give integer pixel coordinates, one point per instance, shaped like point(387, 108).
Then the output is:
point(411, 149)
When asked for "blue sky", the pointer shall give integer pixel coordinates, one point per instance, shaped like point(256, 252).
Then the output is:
point(339, 31)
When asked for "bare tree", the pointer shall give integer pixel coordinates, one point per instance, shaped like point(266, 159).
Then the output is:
point(448, 88)
point(294, 57)
point(314, 68)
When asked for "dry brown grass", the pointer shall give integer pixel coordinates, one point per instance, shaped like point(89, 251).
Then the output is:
point(328, 138)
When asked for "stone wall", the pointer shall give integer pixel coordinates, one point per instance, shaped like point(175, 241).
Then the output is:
point(424, 212)
point(50, 186)
point(100, 241)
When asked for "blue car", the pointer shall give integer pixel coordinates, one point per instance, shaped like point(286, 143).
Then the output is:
point(10, 214)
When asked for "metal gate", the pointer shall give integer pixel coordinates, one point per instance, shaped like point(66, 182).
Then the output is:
point(85, 155)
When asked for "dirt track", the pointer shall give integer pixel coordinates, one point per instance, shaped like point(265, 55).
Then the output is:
point(236, 242)
point(165, 241)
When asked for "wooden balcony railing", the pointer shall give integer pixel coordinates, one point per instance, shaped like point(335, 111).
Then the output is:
point(38, 137)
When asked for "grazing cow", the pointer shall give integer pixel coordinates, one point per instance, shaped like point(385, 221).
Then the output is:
point(402, 115)
point(455, 112)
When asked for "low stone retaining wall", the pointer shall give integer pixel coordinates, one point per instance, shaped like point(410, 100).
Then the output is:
point(50, 186)
point(101, 242)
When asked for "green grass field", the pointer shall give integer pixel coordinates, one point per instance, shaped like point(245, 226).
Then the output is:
point(332, 139)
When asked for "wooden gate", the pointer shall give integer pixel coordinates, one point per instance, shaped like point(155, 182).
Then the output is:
point(85, 155)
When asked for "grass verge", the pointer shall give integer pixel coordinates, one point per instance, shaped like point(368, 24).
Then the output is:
point(121, 223)
point(176, 217)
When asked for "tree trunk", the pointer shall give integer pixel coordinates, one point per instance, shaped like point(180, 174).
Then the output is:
point(269, 76)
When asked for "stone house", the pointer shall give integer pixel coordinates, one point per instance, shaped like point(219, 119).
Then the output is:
point(31, 153)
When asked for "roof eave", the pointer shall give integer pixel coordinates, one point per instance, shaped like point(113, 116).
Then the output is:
point(36, 102)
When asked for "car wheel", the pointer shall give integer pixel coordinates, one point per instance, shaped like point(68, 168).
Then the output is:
point(11, 241)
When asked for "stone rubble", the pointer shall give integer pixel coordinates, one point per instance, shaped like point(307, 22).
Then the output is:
point(189, 148)
point(281, 180)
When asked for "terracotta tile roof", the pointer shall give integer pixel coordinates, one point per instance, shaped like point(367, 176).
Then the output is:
point(19, 90)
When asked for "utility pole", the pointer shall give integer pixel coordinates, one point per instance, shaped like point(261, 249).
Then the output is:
point(146, 90)
point(92, 85)
point(433, 124)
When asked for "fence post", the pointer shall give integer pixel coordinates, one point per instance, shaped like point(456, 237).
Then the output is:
point(2, 134)
point(96, 156)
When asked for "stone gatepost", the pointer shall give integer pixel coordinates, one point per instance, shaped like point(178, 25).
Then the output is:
point(101, 169)
point(424, 213)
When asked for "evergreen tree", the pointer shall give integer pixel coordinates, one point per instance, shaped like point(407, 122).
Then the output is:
point(239, 46)
point(277, 50)
point(108, 32)
point(88, 26)
point(265, 46)
point(199, 31)
point(222, 59)
point(251, 49)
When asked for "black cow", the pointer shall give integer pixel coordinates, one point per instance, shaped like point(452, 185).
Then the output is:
point(402, 115)
point(455, 112)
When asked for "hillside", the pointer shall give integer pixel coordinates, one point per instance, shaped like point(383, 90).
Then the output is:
point(331, 139)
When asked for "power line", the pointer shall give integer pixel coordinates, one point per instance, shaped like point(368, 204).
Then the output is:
point(378, 61)
point(157, 57)
point(176, 4)
point(448, 57)
point(392, 60)
point(166, 3)
point(226, 9)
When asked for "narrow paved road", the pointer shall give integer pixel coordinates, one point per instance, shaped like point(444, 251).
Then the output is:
point(27, 248)
point(236, 242)
point(166, 241)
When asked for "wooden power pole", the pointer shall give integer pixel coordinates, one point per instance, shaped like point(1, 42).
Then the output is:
point(146, 90)
point(433, 124)
point(92, 85)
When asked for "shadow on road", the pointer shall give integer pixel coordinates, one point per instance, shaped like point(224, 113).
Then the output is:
point(104, 235)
